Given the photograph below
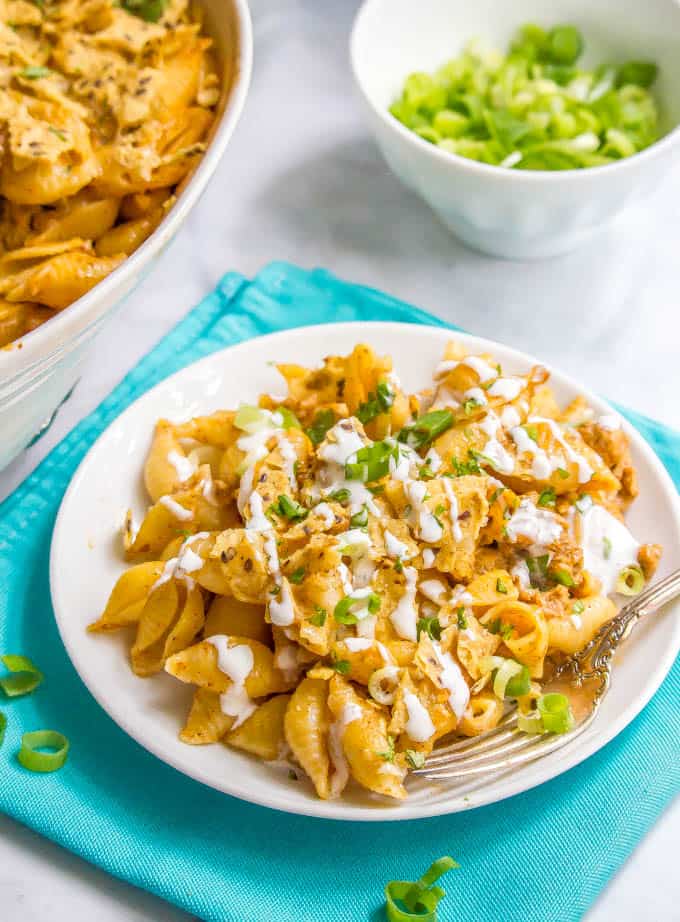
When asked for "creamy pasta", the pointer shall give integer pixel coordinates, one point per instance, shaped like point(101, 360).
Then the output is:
point(104, 108)
point(352, 573)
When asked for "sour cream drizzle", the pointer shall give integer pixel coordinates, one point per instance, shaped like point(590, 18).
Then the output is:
point(237, 663)
point(419, 725)
point(453, 509)
point(182, 465)
point(452, 679)
point(538, 525)
point(405, 615)
point(179, 512)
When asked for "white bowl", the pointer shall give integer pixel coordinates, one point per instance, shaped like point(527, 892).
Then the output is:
point(86, 542)
point(516, 214)
point(38, 372)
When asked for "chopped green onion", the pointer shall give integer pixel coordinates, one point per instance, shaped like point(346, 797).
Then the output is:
point(507, 671)
point(538, 570)
point(371, 462)
point(638, 73)
point(318, 619)
point(555, 712)
point(533, 108)
point(373, 603)
point(35, 72)
point(379, 402)
point(359, 519)
point(58, 132)
point(406, 901)
point(470, 405)
point(25, 676)
point(563, 577)
point(148, 10)
point(388, 754)
point(530, 723)
point(501, 587)
point(606, 547)
point(3, 727)
point(297, 576)
point(31, 754)
point(425, 430)
point(342, 666)
point(323, 421)
point(583, 503)
point(425, 472)
point(564, 474)
point(430, 626)
point(518, 684)
point(414, 758)
point(630, 581)
point(341, 496)
point(288, 508)
point(288, 419)
point(578, 607)
point(462, 618)
point(532, 432)
point(253, 419)
point(343, 610)
point(547, 497)
point(462, 468)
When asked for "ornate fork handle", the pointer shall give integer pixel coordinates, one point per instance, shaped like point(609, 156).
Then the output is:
point(594, 660)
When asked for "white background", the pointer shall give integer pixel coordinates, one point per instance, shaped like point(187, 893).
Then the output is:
point(302, 181)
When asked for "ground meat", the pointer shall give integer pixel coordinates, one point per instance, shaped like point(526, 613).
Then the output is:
point(648, 558)
point(612, 445)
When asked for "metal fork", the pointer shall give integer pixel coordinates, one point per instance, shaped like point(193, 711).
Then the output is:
point(505, 747)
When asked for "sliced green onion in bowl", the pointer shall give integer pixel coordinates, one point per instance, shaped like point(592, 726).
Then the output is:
point(631, 581)
point(555, 712)
point(25, 677)
point(32, 755)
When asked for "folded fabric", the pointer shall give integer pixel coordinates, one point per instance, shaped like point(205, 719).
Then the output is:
point(543, 855)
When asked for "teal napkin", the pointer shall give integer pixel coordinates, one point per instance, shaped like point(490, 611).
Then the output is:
point(540, 857)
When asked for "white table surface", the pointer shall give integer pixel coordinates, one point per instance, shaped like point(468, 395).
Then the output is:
point(302, 181)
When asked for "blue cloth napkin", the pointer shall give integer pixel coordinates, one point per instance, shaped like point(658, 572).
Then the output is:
point(540, 857)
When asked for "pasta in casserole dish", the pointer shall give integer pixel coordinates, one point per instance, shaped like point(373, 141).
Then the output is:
point(105, 108)
point(351, 573)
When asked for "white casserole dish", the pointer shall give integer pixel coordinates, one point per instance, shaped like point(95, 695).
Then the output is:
point(39, 370)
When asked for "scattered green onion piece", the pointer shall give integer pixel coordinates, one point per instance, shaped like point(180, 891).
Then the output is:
point(564, 474)
point(532, 432)
point(430, 626)
point(343, 610)
point(318, 619)
point(323, 421)
point(563, 577)
point(501, 587)
point(379, 402)
point(425, 430)
point(530, 723)
point(297, 576)
point(359, 519)
point(578, 607)
point(288, 508)
point(506, 671)
point(253, 419)
point(148, 10)
point(538, 570)
point(342, 666)
point(547, 497)
point(415, 758)
point(35, 72)
point(461, 617)
point(341, 496)
point(25, 676)
point(3, 727)
point(630, 581)
point(373, 603)
point(288, 419)
point(463, 468)
point(519, 684)
point(372, 462)
point(34, 759)
point(555, 712)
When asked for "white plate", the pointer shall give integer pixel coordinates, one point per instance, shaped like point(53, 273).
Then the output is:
point(86, 560)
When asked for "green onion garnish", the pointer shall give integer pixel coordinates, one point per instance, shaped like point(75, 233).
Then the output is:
point(342, 666)
point(547, 497)
point(563, 577)
point(533, 108)
point(538, 570)
point(406, 901)
point(323, 421)
point(462, 617)
point(425, 430)
point(630, 581)
point(532, 432)
point(501, 587)
point(3, 726)
point(35, 72)
point(32, 756)
point(555, 712)
point(564, 474)
point(470, 405)
point(148, 10)
point(297, 576)
point(25, 676)
point(511, 680)
point(318, 619)
point(606, 548)
point(341, 496)
point(343, 610)
point(288, 508)
point(359, 519)
point(388, 754)
point(288, 419)
point(578, 607)
point(462, 468)
point(530, 723)
point(430, 626)
point(372, 462)
point(414, 758)
point(379, 402)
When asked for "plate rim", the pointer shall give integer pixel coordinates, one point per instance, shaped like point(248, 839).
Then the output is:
point(573, 754)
